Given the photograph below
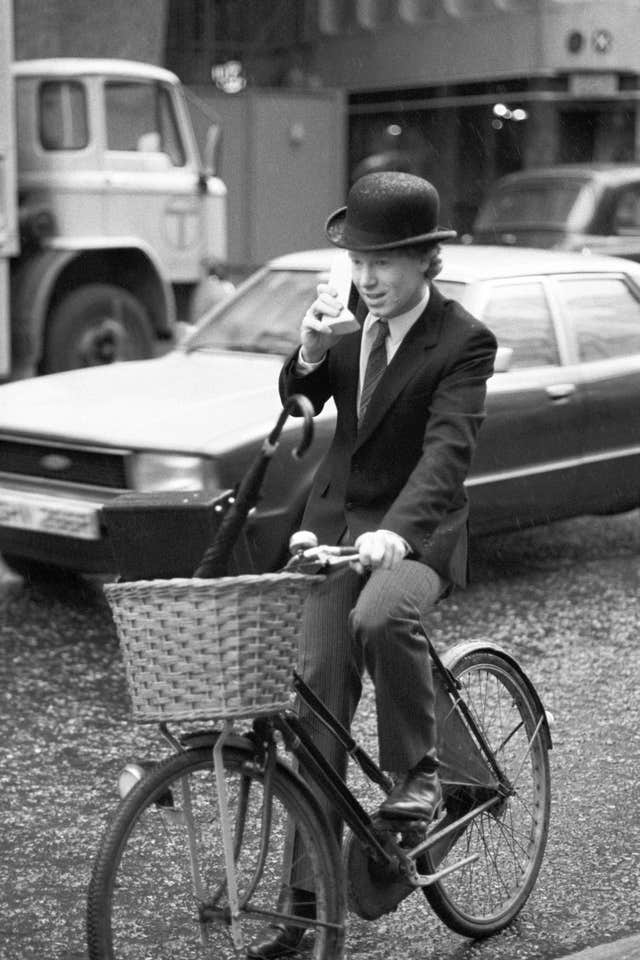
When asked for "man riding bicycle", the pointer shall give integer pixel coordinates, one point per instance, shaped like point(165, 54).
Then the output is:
point(409, 387)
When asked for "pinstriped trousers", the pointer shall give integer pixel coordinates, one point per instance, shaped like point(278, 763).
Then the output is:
point(354, 622)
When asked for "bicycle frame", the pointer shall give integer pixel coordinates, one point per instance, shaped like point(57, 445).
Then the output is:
point(473, 783)
point(479, 758)
point(485, 784)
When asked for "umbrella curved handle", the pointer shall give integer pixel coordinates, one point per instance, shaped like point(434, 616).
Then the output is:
point(215, 559)
point(305, 409)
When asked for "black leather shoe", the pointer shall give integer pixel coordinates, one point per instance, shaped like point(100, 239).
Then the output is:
point(285, 940)
point(416, 797)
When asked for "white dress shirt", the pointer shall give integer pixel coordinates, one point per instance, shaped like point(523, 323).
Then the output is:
point(398, 328)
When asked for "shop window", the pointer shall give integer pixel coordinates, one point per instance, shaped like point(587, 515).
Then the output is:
point(413, 11)
point(517, 6)
point(330, 13)
point(466, 8)
point(62, 115)
point(372, 13)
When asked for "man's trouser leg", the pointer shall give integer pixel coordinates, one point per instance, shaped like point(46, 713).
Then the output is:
point(383, 632)
point(387, 627)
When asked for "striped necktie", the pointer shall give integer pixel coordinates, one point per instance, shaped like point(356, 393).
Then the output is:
point(376, 365)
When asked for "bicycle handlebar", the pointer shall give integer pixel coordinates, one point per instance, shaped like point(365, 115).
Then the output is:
point(306, 551)
point(330, 556)
point(214, 562)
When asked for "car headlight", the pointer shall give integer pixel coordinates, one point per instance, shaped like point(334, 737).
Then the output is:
point(164, 471)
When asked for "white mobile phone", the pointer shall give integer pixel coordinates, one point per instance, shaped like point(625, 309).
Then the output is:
point(340, 280)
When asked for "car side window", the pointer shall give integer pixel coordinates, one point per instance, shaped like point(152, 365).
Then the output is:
point(626, 216)
point(519, 316)
point(605, 316)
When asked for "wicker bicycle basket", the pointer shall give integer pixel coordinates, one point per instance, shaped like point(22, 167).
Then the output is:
point(197, 649)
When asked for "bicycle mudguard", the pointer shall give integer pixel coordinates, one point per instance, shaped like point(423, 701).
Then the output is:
point(459, 650)
point(466, 772)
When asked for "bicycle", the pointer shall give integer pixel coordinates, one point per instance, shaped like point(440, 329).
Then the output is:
point(194, 862)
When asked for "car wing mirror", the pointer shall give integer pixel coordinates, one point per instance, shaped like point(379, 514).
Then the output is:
point(502, 363)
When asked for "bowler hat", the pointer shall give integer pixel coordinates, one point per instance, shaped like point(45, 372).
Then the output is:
point(386, 210)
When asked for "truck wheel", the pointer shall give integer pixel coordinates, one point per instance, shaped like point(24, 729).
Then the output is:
point(96, 324)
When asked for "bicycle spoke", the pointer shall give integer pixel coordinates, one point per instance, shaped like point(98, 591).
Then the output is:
point(160, 889)
point(507, 840)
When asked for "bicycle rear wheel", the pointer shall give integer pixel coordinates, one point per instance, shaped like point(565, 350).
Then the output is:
point(143, 900)
point(509, 839)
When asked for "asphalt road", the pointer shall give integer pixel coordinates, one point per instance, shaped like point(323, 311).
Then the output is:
point(563, 599)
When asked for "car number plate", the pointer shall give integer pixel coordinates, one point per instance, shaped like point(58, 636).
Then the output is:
point(28, 512)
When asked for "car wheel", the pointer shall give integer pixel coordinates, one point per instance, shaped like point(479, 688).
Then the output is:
point(94, 325)
point(36, 571)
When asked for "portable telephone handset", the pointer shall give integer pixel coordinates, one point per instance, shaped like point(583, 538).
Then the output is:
point(340, 280)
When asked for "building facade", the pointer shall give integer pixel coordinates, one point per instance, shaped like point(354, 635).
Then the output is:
point(75, 28)
point(461, 91)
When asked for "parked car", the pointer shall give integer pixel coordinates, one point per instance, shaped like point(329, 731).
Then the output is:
point(560, 437)
point(591, 208)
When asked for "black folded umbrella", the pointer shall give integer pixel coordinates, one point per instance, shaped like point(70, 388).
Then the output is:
point(215, 559)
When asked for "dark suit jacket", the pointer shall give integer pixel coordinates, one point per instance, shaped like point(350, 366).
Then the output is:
point(404, 468)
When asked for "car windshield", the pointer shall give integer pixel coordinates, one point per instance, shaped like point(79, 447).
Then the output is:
point(265, 317)
point(542, 203)
point(451, 289)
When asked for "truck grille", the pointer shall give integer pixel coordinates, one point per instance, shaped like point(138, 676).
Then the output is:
point(67, 464)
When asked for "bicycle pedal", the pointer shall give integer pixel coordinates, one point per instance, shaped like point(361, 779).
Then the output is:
point(403, 826)
point(415, 831)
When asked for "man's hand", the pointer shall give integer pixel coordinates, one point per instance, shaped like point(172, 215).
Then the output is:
point(380, 548)
point(315, 337)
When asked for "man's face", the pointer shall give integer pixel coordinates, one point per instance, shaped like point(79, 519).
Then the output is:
point(391, 281)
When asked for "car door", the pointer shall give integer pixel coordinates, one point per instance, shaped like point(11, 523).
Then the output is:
point(616, 226)
point(530, 445)
point(603, 316)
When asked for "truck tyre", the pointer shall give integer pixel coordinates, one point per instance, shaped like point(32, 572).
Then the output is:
point(96, 324)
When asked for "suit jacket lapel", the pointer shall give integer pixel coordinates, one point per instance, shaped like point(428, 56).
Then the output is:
point(423, 335)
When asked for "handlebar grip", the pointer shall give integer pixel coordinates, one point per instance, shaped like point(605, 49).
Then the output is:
point(302, 540)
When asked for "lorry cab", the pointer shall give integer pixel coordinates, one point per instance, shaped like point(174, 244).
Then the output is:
point(118, 218)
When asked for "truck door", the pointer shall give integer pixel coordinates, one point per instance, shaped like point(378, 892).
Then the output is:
point(8, 216)
point(152, 175)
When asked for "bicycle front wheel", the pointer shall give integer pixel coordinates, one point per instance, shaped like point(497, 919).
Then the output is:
point(158, 888)
point(507, 841)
